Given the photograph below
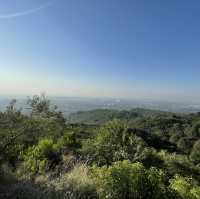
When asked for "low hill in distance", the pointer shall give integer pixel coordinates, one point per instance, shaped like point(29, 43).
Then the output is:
point(100, 116)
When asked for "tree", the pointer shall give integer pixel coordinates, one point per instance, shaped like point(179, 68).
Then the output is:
point(39, 104)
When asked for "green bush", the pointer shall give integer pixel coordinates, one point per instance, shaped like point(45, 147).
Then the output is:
point(195, 130)
point(150, 157)
point(114, 142)
point(67, 142)
point(185, 187)
point(184, 144)
point(37, 158)
point(178, 164)
point(195, 153)
point(125, 180)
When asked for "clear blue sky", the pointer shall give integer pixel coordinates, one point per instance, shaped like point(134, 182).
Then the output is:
point(98, 48)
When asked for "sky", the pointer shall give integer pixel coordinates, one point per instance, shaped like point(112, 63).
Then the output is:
point(101, 48)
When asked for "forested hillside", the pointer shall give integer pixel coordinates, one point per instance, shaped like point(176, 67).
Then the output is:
point(100, 116)
point(130, 154)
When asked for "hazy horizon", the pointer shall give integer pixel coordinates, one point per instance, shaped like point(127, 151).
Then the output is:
point(71, 104)
point(50, 96)
point(101, 49)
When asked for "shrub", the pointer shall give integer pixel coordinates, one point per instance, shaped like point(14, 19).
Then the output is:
point(114, 142)
point(67, 142)
point(195, 153)
point(184, 144)
point(38, 158)
point(59, 188)
point(125, 180)
point(178, 164)
point(79, 181)
point(195, 130)
point(150, 157)
point(185, 187)
point(7, 176)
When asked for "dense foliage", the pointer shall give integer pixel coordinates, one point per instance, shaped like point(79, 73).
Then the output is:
point(129, 180)
point(136, 154)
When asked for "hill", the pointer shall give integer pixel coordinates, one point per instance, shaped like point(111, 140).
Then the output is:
point(99, 116)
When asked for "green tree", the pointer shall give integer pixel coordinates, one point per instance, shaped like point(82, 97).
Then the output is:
point(41, 106)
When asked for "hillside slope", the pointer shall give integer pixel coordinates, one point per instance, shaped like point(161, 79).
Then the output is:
point(99, 116)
